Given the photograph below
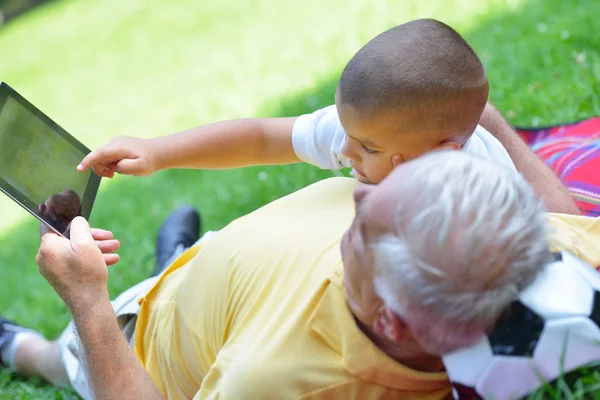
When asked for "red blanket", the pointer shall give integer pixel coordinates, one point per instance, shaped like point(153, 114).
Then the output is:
point(573, 152)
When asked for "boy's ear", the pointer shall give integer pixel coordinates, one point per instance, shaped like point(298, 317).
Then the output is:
point(448, 144)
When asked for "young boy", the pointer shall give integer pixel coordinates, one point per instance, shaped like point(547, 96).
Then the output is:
point(415, 88)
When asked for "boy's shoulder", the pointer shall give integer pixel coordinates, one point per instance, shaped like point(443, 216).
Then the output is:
point(483, 144)
point(318, 138)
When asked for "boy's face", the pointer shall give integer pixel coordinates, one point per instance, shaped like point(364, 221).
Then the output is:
point(376, 144)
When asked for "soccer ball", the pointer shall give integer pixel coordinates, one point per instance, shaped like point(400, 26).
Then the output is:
point(553, 328)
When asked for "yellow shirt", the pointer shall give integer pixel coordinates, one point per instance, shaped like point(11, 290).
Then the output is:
point(578, 235)
point(259, 311)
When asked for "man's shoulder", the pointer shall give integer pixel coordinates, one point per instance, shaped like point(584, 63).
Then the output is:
point(331, 189)
point(309, 202)
point(276, 244)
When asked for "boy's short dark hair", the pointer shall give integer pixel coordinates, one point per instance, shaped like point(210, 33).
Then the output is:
point(424, 67)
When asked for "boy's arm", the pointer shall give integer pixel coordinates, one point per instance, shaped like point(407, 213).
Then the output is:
point(227, 144)
point(543, 180)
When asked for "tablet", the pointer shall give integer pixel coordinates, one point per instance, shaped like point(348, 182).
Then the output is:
point(38, 164)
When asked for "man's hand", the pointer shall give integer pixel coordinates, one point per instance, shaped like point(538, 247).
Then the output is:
point(124, 155)
point(77, 268)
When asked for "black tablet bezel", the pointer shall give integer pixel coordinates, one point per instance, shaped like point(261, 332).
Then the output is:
point(93, 184)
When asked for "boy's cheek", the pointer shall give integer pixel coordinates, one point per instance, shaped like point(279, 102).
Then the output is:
point(379, 172)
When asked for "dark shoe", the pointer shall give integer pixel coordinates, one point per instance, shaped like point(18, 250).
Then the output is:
point(180, 231)
point(8, 330)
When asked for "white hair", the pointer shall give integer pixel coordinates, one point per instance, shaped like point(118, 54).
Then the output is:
point(469, 237)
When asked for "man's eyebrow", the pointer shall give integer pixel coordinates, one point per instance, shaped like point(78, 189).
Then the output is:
point(366, 142)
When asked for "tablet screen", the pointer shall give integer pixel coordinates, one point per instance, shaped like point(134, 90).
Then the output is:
point(38, 164)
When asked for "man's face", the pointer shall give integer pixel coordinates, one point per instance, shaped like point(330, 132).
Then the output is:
point(374, 216)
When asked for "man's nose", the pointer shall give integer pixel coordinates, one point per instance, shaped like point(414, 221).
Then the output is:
point(360, 193)
point(349, 150)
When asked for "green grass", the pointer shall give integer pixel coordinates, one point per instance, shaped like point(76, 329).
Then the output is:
point(103, 68)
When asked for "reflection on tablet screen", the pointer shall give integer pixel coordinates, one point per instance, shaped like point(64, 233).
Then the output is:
point(41, 165)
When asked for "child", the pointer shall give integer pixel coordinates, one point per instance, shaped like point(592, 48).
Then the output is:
point(413, 89)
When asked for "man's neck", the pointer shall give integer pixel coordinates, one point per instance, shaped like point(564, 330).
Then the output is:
point(409, 356)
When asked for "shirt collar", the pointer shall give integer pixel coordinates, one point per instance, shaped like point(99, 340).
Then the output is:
point(333, 321)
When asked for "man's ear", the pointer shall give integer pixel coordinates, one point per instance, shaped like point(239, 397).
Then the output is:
point(389, 324)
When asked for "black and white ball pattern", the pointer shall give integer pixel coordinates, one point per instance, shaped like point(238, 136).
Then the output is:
point(553, 328)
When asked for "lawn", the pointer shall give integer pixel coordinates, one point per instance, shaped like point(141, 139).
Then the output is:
point(103, 68)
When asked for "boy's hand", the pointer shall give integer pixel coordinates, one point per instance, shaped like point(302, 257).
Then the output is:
point(125, 155)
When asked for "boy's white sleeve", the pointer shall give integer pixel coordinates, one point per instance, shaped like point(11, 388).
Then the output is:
point(318, 138)
point(485, 145)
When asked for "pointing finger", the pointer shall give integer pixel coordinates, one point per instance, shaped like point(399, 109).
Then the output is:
point(103, 155)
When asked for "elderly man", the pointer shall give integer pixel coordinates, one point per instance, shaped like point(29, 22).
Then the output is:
point(270, 308)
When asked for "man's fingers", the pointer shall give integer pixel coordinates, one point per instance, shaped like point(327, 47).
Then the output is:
point(52, 246)
point(111, 259)
point(108, 246)
point(101, 234)
point(80, 232)
point(44, 229)
point(50, 238)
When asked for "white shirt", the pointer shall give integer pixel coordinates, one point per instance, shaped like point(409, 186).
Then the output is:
point(318, 138)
